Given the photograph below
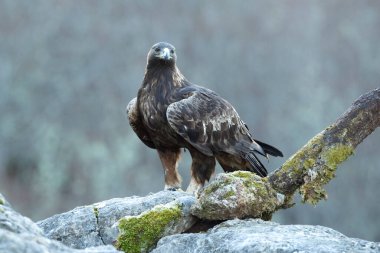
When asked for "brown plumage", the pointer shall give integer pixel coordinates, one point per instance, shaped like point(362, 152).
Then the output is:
point(171, 113)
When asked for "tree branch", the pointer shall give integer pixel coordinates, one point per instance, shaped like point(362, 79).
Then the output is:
point(314, 164)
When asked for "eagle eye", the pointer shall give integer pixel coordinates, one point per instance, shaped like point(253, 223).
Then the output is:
point(172, 51)
point(157, 49)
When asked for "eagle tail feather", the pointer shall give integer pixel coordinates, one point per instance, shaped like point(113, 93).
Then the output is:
point(270, 149)
point(256, 166)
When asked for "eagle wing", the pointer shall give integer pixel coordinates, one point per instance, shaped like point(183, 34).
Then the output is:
point(211, 124)
point(136, 123)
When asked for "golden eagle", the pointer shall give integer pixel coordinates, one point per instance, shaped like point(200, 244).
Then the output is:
point(171, 113)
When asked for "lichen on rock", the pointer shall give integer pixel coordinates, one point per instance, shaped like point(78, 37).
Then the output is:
point(239, 194)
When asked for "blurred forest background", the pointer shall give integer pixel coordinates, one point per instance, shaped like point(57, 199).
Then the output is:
point(68, 69)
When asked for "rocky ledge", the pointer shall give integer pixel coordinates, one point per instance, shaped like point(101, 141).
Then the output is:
point(161, 222)
point(255, 235)
point(19, 234)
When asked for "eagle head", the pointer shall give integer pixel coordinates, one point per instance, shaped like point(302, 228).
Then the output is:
point(162, 53)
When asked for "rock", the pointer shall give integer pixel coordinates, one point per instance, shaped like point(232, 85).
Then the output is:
point(19, 234)
point(14, 222)
point(260, 236)
point(20, 243)
point(77, 228)
point(141, 233)
point(3, 201)
point(162, 215)
point(239, 194)
point(92, 225)
point(110, 211)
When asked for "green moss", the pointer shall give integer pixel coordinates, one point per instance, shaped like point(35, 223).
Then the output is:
point(2, 202)
point(96, 212)
point(229, 194)
point(252, 197)
point(214, 185)
point(260, 188)
point(300, 166)
point(288, 202)
point(309, 163)
point(305, 158)
point(242, 174)
point(313, 191)
point(250, 180)
point(141, 233)
point(336, 155)
point(266, 202)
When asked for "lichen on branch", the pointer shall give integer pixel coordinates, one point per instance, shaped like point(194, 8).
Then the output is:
point(318, 175)
point(240, 194)
point(314, 165)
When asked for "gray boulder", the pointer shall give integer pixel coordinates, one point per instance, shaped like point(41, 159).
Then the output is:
point(19, 234)
point(260, 236)
point(20, 243)
point(155, 223)
point(240, 194)
point(141, 233)
point(77, 228)
point(14, 222)
point(93, 225)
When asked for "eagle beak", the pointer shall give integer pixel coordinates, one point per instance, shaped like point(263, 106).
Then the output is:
point(165, 54)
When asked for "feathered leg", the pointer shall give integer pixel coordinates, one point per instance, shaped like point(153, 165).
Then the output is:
point(169, 160)
point(202, 169)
